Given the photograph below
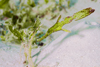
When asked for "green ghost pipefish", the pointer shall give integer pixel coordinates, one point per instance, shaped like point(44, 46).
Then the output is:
point(58, 25)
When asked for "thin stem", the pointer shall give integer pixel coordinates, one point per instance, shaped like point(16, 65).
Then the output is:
point(43, 37)
point(29, 51)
